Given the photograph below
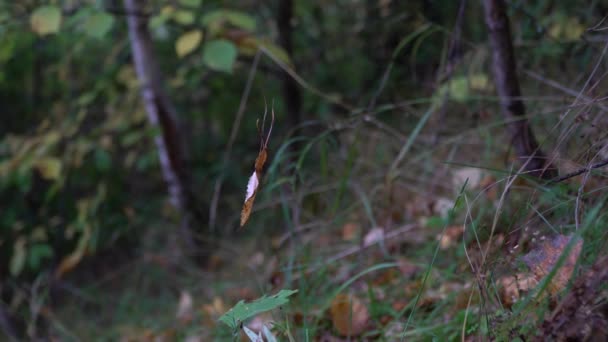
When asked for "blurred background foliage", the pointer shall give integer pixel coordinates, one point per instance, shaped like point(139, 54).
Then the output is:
point(79, 173)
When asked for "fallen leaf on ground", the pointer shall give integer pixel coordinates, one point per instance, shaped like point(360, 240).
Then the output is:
point(513, 287)
point(408, 269)
point(442, 206)
point(185, 308)
point(349, 315)
point(374, 235)
point(350, 231)
point(450, 237)
point(215, 309)
point(542, 260)
point(489, 184)
point(472, 176)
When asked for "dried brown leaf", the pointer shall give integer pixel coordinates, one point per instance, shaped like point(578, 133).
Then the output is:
point(408, 269)
point(512, 287)
point(254, 181)
point(350, 231)
point(542, 260)
point(450, 237)
point(247, 206)
point(349, 315)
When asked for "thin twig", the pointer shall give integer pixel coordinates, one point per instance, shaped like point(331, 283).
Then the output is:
point(235, 128)
point(578, 172)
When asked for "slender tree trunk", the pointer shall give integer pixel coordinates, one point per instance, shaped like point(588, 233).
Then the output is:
point(507, 84)
point(291, 92)
point(161, 114)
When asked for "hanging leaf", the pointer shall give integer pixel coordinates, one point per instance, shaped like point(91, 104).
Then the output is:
point(254, 180)
point(217, 18)
point(98, 24)
point(220, 55)
point(242, 311)
point(37, 253)
point(188, 42)
point(73, 259)
point(183, 17)
point(18, 258)
point(250, 45)
point(46, 20)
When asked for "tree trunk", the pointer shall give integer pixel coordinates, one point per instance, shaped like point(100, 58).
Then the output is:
point(507, 85)
point(291, 93)
point(161, 114)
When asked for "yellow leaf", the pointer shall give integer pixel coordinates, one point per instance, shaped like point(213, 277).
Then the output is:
point(49, 167)
point(188, 42)
point(46, 20)
point(72, 260)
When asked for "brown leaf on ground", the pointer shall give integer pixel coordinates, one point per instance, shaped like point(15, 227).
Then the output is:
point(350, 231)
point(513, 287)
point(185, 308)
point(578, 316)
point(542, 260)
point(386, 277)
point(450, 237)
point(215, 309)
point(349, 315)
point(471, 175)
point(408, 269)
point(491, 190)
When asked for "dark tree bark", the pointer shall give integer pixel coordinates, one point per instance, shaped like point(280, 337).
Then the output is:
point(507, 84)
point(291, 93)
point(161, 114)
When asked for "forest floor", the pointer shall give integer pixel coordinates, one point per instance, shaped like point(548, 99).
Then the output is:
point(446, 244)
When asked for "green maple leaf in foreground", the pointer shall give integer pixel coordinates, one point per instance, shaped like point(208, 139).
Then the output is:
point(242, 311)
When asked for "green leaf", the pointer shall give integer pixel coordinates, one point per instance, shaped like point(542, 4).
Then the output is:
point(98, 24)
point(18, 258)
point(187, 42)
point(191, 3)
point(183, 17)
point(242, 311)
point(235, 18)
point(49, 167)
point(220, 55)
point(45, 20)
point(37, 253)
point(103, 160)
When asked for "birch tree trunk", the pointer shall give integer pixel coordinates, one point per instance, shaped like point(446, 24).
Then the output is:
point(507, 85)
point(161, 114)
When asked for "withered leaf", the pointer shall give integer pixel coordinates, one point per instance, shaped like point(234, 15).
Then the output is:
point(542, 260)
point(349, 315)
point(254, 181)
